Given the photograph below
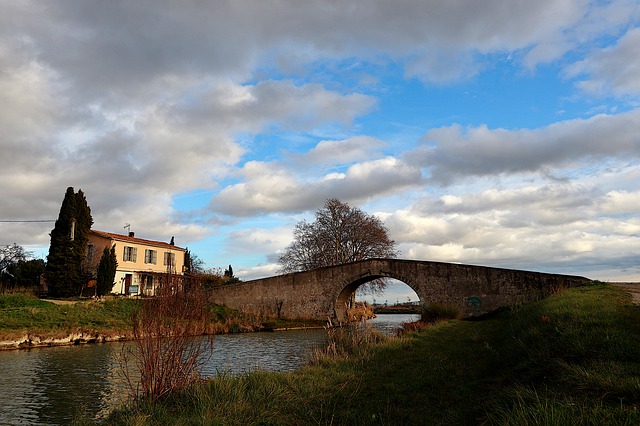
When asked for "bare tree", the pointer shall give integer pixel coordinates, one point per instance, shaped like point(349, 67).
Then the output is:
point(10, 257)
point(12, 254)
point(340, 234)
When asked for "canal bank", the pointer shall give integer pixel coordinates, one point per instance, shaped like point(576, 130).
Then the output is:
point(27, 322)
point(58, 385)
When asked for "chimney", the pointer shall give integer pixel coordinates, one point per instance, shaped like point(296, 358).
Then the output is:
point(132, 234)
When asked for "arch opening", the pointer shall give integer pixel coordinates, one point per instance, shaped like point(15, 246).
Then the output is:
point(397, 293)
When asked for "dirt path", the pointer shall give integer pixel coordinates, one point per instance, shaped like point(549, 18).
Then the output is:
point(61, 302)
point(633, 288)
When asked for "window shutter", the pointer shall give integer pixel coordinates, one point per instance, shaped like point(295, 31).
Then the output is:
point(135, 254)
point(124, 254)
point(154, 255)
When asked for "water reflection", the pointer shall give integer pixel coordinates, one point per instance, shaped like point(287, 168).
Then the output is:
point(54, 385)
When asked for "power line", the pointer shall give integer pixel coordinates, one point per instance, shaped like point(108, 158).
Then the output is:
point(27, 221)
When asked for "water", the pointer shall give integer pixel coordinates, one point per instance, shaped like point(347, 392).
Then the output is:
point(387, 323)
point(54, 385)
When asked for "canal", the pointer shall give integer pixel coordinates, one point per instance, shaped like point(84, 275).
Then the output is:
point(52, 386)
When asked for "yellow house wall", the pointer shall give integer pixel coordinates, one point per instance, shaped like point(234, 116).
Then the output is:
point(139, 266)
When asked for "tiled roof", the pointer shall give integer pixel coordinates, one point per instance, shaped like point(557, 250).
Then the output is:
point(135, 240)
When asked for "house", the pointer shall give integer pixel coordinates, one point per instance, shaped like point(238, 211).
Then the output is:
point(142, 264)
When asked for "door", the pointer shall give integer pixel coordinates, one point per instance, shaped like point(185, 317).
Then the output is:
point(127, 283)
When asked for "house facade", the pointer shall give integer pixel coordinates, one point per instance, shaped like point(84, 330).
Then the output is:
point(142, 264)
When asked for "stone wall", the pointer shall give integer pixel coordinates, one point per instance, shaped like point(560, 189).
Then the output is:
point(322, 293)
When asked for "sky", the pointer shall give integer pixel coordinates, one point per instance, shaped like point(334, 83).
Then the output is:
point(488, 132)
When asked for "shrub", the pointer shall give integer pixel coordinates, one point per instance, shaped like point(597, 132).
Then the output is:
point(165, 352)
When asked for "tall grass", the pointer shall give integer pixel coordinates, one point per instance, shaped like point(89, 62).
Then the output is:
point(352, 340)
point(529, 406)
point(434, 312)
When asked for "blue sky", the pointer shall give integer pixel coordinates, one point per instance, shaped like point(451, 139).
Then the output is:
point(484, 132)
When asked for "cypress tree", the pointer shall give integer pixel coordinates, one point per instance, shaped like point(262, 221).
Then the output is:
point(107, 270)
point(66, 262)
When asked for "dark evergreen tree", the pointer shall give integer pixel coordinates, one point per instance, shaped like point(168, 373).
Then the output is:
point(66, 263)
point(188, 267)
point(106, 270)
point(27, 272)
point(229, 272)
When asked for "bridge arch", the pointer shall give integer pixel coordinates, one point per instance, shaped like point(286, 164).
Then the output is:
point(349, 286)
point(321, 293)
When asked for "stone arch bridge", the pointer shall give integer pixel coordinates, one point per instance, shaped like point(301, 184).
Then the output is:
point(323, 293)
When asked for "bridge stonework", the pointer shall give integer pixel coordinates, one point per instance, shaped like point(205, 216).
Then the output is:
point(324, 292)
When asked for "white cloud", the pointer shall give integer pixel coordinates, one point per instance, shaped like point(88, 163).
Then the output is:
point(332, 152)
point(135, 102)
point(130, 51)
point(613, 70)
point(268, 187)
point(553, 227)
point(454, 152)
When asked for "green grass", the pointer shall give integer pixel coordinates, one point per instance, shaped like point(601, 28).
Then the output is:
point(21, 314)
point(573, 358)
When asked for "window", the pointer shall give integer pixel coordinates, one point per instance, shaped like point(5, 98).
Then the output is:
point(169, 259)
point(130, 254)
point(90, 249)
point(150, 256)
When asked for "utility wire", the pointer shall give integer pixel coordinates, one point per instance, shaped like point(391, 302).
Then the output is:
point(26, 221)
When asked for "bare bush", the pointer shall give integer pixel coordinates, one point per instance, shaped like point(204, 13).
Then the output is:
point(165, 352)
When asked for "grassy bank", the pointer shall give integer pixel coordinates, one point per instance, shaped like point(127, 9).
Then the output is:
point(573, 358)
point(22, 315)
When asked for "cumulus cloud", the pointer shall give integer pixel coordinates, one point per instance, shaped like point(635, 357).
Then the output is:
point(170, 146)
point(267, 187)
point(122, 50)
point(138, 102)
point(455, 152)
point(613, 70)
point(550, 227)
point(332, 152)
